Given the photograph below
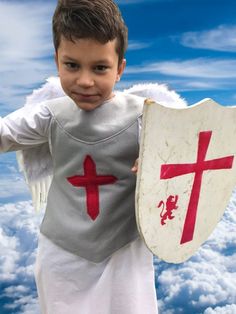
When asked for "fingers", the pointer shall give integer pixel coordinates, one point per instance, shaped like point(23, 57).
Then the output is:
point(135, 166)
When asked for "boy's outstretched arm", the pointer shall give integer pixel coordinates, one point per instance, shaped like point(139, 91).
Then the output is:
point(24, 128)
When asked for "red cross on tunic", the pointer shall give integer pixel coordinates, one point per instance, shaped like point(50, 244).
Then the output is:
point(169, 171)
point(91, 181)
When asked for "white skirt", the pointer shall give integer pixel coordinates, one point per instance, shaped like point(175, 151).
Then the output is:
point(69, 284)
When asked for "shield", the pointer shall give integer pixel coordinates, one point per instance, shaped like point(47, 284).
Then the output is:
point(187, 171)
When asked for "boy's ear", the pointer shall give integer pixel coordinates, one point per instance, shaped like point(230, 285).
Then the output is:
point(121, 69)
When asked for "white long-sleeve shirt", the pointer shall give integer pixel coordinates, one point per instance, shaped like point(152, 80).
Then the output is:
point(24, 128)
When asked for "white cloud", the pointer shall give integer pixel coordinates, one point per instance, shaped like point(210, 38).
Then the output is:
point(27, 305)
point(228, 309)
point(31, 307)
point(26, 48)
point(207, 281)
point(222, 38)
point(24, 28)
point(12, 186)
point(18, 241)
point(9, 256)
point(204, 283)
point(138, 45)
point(200, 68)
point(203, 85)
point(181, 84)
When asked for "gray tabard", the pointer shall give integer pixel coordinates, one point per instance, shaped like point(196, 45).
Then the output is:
point(90, 210)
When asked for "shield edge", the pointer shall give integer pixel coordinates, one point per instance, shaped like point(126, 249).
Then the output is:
point(147, 104)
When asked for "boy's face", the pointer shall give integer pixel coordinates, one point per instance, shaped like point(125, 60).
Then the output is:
point(88, 71)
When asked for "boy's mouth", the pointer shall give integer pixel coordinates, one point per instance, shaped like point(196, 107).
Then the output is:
point(85, 97)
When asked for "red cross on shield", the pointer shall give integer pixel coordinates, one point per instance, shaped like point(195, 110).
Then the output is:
point(187, 171)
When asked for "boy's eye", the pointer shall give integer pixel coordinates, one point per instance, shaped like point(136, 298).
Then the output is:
point(101, 68)
point(71, 65)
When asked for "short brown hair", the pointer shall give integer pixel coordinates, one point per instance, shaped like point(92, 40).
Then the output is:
point(97, 19)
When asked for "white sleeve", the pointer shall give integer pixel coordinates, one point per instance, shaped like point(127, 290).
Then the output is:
point(24, 128)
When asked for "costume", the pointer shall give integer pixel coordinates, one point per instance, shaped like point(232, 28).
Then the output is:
point(91, 198)
point(117, 276)
point(68, 283)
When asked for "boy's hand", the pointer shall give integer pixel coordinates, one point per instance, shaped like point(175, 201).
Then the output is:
point(135, 166)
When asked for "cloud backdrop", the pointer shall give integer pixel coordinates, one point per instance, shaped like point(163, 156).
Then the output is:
point(190, 45)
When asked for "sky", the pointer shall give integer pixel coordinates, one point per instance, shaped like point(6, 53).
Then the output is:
point(189, 45)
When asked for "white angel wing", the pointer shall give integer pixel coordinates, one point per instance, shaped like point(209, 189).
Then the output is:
point(36, 163)
point(158, 92)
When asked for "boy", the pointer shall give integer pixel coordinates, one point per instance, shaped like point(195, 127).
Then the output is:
point(90, 257)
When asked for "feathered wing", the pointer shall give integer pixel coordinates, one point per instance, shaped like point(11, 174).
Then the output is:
point(36, 163)
point(158, 92)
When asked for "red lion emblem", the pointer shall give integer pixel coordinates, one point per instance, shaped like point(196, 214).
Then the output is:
point(169, 207)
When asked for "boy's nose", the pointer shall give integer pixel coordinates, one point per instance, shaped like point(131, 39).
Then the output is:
point(85, 80)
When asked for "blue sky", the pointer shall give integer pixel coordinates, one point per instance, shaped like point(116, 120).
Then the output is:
point(190, 45)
